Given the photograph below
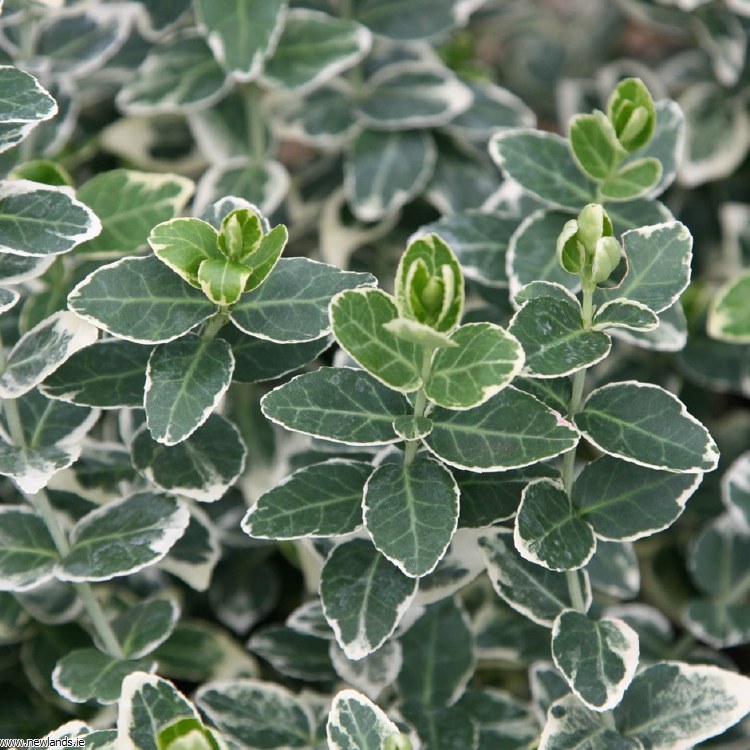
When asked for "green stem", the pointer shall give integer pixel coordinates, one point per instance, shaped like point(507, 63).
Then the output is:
point(214, 324)
point(575, 591)
point(681, 648)
point(608, 719)
point(256, 131)
point(420, 403)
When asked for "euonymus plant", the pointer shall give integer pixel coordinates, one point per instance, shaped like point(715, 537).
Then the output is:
point(256, 500)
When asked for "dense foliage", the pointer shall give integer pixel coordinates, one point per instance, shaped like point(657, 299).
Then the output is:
point(375, 374)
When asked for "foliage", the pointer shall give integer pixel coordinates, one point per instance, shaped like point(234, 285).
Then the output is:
point(343, 407)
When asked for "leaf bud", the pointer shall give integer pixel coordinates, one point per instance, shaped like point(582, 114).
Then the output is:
point(593, 223)
point(631, 110)
point(571, 254)
point(606, 259)
point(397, 742)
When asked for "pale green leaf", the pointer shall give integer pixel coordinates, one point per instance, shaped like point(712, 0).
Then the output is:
point(594, 145)
point(313, 48)
point(110, 374)
point(141, 300)
point(358, 318)
point(257, 714)
point(553, 337)
point(364, 597)
point(633, 180)
point(547, 531)
point(40, 221)
point(122, 537)
point(177, 76)
point(509, 431)
point(729, 316)
point(42, 350)
point(129, 204)
point(438, 656)
point(405, 95)
point(385, 171)
point(339, 404)
point(626, 502)
point(410, 427)
point(32, 468)
point(87, 674)
point(291, 306)
point(625, 313)
point(144, 626)
point(646, 425)
point(202, 467)
point(597, 657)
point(185, 379)
point(485, 360)
point(538, 593)
point(658, 266)
point(411, 513)
point(183, 244)
point(356, 723)
point(678, 705)
point(570, 724)
point(320, 500)
point(27, 552)
point(25, 104)
point(541, 163)
point(240, 39)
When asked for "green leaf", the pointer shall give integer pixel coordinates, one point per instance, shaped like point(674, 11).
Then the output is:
point(183, 245)
point(443, 728)
point(385, 171)
point(297, 655)
point(241, 40)
point(263, 260)
point(658, 266)
point(624, 502)
point(122, 537)
point(32, 468)
point(570, 724)
point(625, 313)
point(541, 163)
point(313, 48)
point(256, 360)
point(320, 500)
point(410, 427)
point(646, 425)
point(735, 489)
point(177, 76)
point(489, 498)
point(28, 230)
point(539, 594)
point(15, 269)
point(292, 305)
point(339, 404)
point(597, 657)
point(110, 374)
point(196, 553)
point(429, 286)
point(141, 300)
point(480, 242)
point(185, 381)
point(418, 333)
point(358, 318)
point(129, 204)
point(631, 110)
point(8, 299)
point(27, 551)
point(552, 335)
point(418, 20)
point(670, 335)
point(553, 392)
point(718, 564)
point(438, 656)
point(411, 513)
point(144, 626)
point(679, 705)
point(509, 431)
point(87, 674)
point(503, 720)
point(373, 673)
point(356, 723)
point(531, 252)
point(202, 467)
point(594, 145)
point(729, 316)
point(364, 597)
point(26, 103)
point(614, 569)
point(42, 350)
point(155, 715)
point(485, 360)
point(257, 714)
point(413, 94)
point(633, 180)
point(547, 532)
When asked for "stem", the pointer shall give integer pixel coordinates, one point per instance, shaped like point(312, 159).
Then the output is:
point(214, 324)
point(256, 132)
point(420, 403)
point(575, 591)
